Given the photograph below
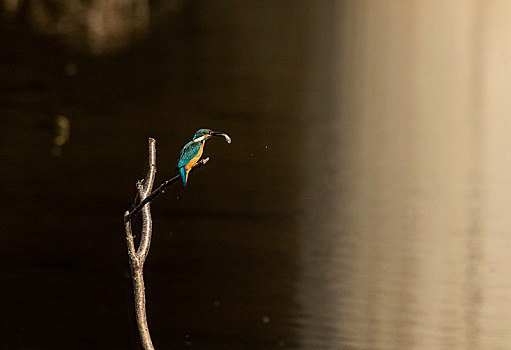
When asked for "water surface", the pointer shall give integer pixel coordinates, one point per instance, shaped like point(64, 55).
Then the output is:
point(362, 203)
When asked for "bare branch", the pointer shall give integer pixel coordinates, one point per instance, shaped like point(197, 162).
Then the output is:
point(137, 257)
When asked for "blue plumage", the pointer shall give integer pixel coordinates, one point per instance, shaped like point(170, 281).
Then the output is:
point(189, 151)
point(184, 176)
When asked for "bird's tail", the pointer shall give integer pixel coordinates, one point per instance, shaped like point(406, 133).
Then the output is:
point(184, 175)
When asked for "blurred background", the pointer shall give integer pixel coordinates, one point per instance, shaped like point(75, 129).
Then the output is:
point(363, 202)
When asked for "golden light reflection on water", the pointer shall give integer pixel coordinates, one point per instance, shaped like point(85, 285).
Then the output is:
point(406, 236)
point(97, 27)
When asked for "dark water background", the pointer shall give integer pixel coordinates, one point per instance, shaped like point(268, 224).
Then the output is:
point(223, 261)
point(363, 202)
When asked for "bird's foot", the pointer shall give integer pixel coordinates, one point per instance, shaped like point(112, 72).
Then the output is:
point(202, 162)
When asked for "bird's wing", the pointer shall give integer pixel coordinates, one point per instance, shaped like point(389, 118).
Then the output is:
point(189, 151)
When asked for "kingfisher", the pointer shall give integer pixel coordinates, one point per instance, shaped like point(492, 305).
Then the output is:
point(192, 151)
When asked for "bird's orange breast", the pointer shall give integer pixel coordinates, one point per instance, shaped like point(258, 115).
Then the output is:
point(195, 159)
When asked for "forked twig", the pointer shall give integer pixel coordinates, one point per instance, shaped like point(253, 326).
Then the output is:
point(138, 256)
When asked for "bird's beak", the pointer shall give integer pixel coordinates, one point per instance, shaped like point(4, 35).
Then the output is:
point(216, 133)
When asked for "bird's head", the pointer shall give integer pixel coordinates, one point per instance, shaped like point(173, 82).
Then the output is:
point(204, 134)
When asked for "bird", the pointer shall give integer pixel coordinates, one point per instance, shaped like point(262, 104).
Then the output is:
point(192, 151)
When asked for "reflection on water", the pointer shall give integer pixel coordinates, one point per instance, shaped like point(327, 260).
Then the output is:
point(98, 27)
point(406, 235)
point(62, 134)
point(363, 203)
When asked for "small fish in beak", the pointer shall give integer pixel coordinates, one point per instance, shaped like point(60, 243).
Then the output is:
point(227, 137)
